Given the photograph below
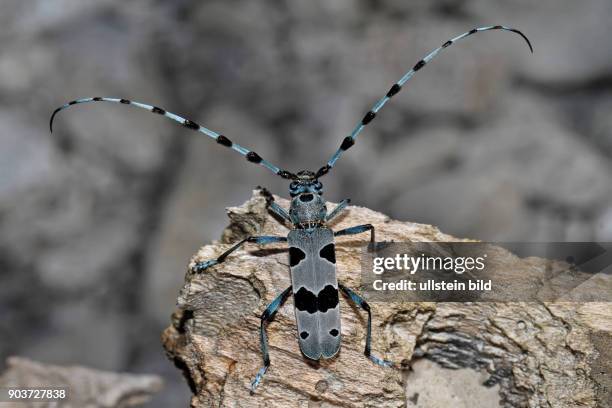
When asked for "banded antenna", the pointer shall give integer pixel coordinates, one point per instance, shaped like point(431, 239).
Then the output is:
point(189, 124)
point(349, 141)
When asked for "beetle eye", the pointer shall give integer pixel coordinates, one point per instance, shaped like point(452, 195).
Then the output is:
point(293, 185)
point(318, 186)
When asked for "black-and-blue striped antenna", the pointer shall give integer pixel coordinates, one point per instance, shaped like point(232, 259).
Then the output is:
point(349, 141)
point(219, 138)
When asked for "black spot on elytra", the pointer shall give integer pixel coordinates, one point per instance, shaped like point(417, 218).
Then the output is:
point(419, 65)
point(328, 252)
point(394, 89)
point(347, 143)
point(222, 140)
point(368, 118)
point(305, 301)
point(327, 299)
point(305, 198)
point(296, 255)
point(334, 332)
point(157, 110)
point(253, 157)
point(304, 335)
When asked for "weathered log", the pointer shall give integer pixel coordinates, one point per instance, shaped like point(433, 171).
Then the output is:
point(539, 355)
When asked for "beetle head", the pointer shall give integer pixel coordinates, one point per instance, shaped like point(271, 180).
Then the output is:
point(307, 205)
point(305, 182)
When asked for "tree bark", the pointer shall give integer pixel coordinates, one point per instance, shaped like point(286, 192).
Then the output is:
point(540, 354)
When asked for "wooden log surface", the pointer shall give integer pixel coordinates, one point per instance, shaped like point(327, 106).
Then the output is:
point(538, 354)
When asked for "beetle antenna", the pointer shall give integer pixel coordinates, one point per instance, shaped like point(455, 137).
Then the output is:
point(219, 138)
point(349, 141)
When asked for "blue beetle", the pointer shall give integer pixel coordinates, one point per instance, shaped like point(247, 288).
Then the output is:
point(312, 260)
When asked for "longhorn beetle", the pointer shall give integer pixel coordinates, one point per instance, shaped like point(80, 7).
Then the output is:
point(312, 257)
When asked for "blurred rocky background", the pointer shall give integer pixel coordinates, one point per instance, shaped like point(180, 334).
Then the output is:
point(98, 220)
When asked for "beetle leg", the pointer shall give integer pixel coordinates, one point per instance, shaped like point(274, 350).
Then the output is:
point(336, 211)
point(358, 229)
point(273, 206)
point(359, 301)
point(267, 316)
point(261, 240)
